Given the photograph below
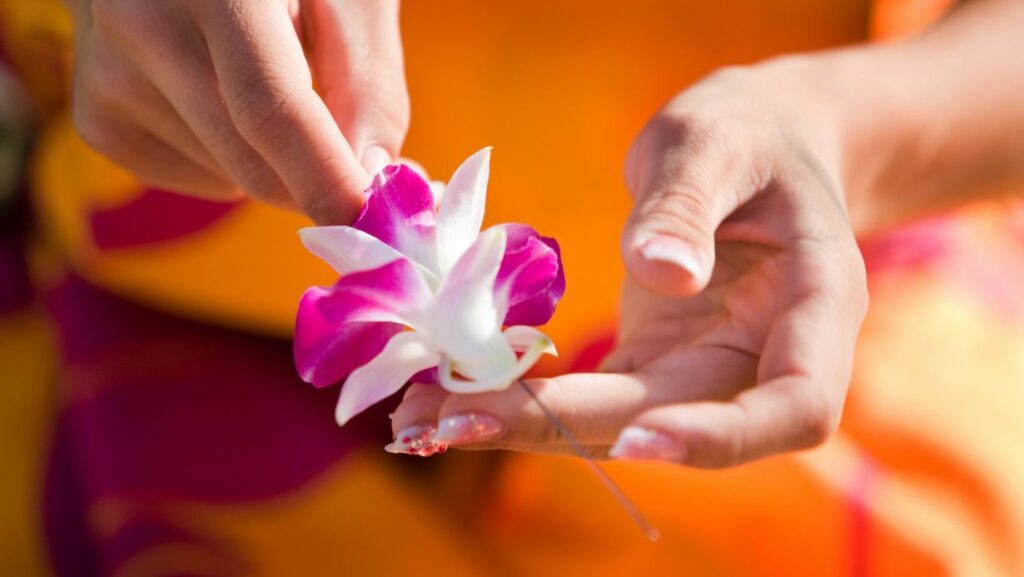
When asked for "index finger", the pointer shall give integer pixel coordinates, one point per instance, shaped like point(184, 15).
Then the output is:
point(592, 407)
point(268, 88)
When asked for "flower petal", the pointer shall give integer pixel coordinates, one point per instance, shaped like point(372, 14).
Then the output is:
point(465, 322)
point(522, 339)
point(406, 354)
point(325, 352)
point(394, 293)
point(425, 377)
point(531, 280)
point(348, 250)
point(530, 341)
point(400, 212)
point(461, 211)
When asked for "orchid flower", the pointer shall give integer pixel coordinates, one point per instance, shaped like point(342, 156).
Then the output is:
point(424, 296)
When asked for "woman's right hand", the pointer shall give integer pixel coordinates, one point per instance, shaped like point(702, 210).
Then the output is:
point(214, 99)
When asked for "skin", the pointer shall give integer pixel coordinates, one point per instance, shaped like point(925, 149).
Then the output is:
point(217, 99)
point(758, 179)
point(738, 333)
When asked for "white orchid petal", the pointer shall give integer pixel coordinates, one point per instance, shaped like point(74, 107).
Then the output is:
point(522, 338)
point(437, 190)
point(406, 354)
point(350, 250)
point(501, 381)
point(461, 211)
point(347, 249)
point(464, 321)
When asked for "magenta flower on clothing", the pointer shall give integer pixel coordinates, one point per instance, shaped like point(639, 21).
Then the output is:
point(424, 294)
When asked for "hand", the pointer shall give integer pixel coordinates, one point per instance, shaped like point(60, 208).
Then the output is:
point(207, 97)
point(746, 291)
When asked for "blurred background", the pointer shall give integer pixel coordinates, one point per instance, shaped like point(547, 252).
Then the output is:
point(151, 422)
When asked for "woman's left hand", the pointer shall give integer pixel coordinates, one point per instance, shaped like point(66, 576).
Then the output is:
point(745, 294)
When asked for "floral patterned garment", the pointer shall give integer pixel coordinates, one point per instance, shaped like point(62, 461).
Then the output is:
point(153, 424)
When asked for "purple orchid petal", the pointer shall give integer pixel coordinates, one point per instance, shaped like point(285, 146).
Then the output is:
point(400, 211)
point(326, 352)
point(394, 293)
point(406, 354)
point(531, 279)
point(425, 377)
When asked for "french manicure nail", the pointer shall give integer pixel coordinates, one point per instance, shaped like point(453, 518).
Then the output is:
point(671, 250)
point(466, 429)
point(375, 158)
point(416, 440)
point(647, 445)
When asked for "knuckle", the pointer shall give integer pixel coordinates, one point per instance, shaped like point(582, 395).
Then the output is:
point(546, 430)
point(262, 111)
point(820, 421)
point(681, 198)
point(818, 430)
point(695, 129)
point(678, 207)
point(687, 149)
point(668, 129)
point(317, 207)
point(550, 433)
point(260, 181)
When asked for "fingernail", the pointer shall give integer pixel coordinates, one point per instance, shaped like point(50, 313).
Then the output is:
point(671, 250)
point(416, 440)
point(646, 445)
point(375, 158)
point(466, 429)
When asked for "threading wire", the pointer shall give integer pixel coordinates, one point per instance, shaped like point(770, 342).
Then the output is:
point(649, 530)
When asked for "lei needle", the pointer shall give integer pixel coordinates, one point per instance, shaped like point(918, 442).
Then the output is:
point(649, 530)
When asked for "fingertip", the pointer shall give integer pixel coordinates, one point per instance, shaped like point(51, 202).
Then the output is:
point(646, 444)
point(420, 404)
point(497, 418)
point(667, 265)
point(375, 158)
point(468, 428)
point(664, 249)
point(706, 435)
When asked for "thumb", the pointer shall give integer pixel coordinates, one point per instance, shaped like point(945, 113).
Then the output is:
point(356, 53)
point(679, 186)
